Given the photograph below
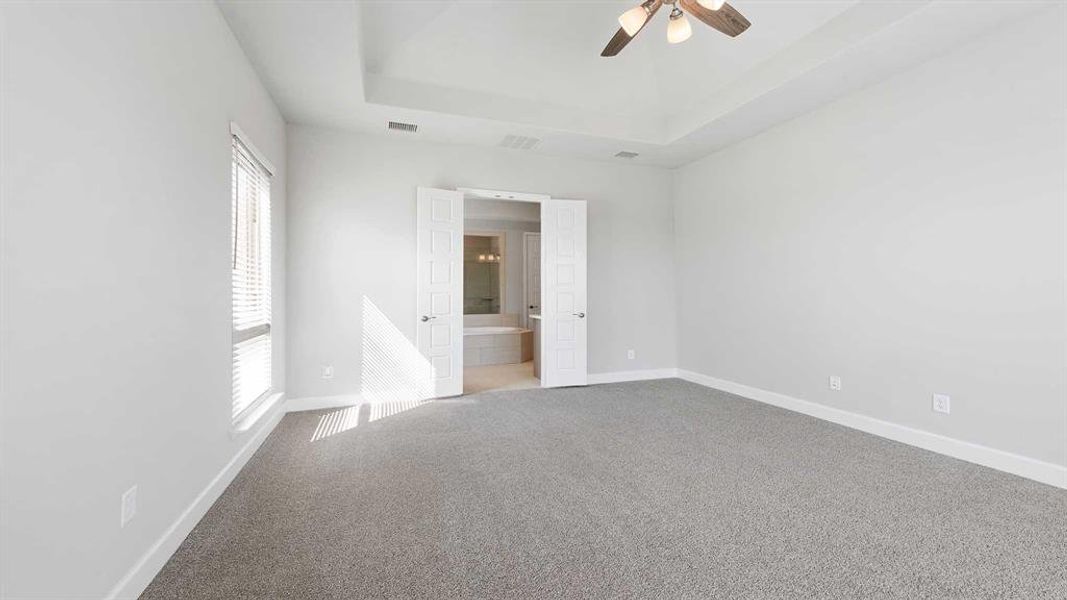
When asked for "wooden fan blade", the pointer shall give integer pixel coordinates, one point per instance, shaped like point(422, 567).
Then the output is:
point(616, 44)
point(726, 19)
point(620, 39)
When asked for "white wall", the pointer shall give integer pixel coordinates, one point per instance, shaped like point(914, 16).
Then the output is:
point(115, 271)
point(514, 302)
point(908, 238)
point(352, 234)
point(501, 210)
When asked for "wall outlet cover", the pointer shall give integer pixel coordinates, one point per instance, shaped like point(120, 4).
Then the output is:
point(835, 383)
point(327, 371)
point(630, 354)
point(942, 403)
point(129, 506)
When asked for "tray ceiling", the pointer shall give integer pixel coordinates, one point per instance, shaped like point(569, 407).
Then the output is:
point(476, 71)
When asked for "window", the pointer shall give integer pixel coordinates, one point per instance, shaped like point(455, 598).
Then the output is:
point(251, 279)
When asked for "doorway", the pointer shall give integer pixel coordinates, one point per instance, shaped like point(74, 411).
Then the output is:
point(532, 337)
point(498, 339)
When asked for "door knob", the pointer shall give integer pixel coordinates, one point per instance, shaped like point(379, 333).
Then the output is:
point(580, 315)
point(427, 318)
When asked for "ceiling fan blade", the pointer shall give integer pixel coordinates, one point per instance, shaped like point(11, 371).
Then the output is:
point(726, 19)
point(620, 39)
point(616, 44)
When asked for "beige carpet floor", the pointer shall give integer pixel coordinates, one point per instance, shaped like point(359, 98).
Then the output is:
point(656, 489)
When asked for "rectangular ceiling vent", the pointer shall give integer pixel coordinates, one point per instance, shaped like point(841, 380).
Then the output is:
point(519, 142)
point(406, 127)
point(625, 154)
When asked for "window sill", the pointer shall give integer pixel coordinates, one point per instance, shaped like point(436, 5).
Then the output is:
point(249, 418)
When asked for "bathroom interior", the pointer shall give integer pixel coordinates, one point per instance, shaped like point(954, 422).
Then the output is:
point(501, 294)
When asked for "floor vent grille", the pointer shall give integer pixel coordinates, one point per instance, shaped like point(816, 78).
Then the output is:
point(625, 154)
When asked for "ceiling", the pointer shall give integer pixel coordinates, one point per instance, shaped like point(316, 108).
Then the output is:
point(475, 71)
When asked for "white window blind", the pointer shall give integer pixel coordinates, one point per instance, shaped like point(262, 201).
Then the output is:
point(251, 280)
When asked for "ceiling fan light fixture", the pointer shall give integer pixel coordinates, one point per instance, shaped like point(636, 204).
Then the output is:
point(678, 29)
point(634, 19)
point(717, 14)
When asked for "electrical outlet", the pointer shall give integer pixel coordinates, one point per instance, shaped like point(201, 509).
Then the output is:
point(835, 383)
point(942, 403)
point(327, 371)
point(129, 506)
point(630, 354)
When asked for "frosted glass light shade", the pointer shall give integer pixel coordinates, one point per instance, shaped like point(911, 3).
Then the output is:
point(633, 20)
point(678, 30)
point(712, 4)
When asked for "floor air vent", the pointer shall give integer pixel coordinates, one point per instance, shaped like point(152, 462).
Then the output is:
point(519, 142)
point(625, 154)
point(407, 127)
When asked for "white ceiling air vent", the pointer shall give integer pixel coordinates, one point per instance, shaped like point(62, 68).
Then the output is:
point(406, 127)
point(625, 154)
point(519, 142)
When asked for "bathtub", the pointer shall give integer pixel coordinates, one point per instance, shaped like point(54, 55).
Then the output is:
point(496, 345)
point(492, 330)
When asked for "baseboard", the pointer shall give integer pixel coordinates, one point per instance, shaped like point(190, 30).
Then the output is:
point(321, 402)
point(1044, 472)
point(642, 375)
point(138, 578)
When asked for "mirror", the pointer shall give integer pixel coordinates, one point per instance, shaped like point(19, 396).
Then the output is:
point(483, 260)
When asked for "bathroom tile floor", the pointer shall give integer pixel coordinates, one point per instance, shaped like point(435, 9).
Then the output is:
point(491, 378)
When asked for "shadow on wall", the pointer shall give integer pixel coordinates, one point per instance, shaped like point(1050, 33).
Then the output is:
point(396, 376)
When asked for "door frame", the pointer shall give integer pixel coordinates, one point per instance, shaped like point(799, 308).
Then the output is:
point(526, 275)
point(542, 200)
point(507, 196)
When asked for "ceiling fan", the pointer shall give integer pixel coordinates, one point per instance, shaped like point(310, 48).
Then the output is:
point(716, 13)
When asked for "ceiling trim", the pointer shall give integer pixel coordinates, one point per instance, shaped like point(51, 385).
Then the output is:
point(482, 194)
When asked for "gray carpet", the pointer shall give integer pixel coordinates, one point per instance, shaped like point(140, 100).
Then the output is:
point(659, 489)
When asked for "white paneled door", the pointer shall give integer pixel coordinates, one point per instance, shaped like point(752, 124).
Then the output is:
point(563, 293)
point(440, 289)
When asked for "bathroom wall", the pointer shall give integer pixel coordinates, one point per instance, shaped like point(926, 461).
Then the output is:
point(513, 254)
point(482, 260)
